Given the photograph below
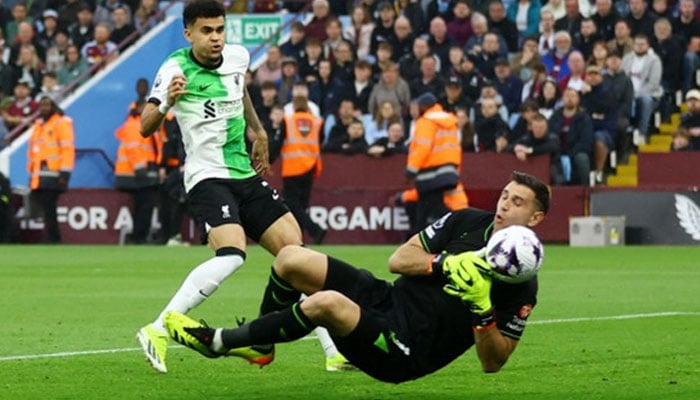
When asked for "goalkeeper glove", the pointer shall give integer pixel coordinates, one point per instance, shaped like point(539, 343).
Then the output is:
point(467, 282)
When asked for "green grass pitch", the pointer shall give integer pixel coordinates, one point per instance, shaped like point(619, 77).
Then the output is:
point(611, 323)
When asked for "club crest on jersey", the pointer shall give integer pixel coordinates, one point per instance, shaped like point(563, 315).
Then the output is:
point(225, 213)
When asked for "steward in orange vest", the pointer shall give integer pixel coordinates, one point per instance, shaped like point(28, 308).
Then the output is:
point(50, 156)
point(301, 163)
point(136, 171)
point(434, 158)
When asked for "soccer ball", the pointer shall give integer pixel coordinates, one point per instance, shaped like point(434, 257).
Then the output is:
point(515, 254)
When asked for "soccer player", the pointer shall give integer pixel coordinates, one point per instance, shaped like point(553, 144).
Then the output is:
point(205, 84)
point(439, 307)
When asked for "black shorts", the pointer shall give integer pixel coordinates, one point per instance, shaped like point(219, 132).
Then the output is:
point(375, 345)
point(250, 202)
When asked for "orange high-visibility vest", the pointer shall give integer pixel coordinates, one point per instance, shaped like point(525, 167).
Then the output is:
point(301, 150)
point(51, 148)
point(454, 199)
point(135, 151)
point(434, 152)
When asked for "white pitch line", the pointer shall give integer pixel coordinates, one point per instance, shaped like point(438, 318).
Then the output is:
point(535, 322)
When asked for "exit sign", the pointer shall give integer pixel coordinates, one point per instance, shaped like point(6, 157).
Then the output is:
point(251, 30)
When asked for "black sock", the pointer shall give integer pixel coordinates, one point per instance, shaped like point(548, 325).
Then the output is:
point(278, 294)
point(276, 327)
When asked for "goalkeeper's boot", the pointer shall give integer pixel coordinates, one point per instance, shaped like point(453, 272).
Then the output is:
point(258, 355)
point(193, 334)
point(154, 345)
point(339, 363)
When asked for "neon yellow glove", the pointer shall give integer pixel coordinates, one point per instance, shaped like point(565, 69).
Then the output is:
point(467, 282)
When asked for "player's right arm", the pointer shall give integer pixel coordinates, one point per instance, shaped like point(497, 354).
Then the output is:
point(167, 89)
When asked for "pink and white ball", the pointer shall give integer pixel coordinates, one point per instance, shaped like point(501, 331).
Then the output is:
point(515, 253)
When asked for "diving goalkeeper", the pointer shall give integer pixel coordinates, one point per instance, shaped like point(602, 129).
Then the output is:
point(438, 308)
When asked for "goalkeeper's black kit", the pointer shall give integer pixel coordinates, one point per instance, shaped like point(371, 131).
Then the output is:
point(411, 328)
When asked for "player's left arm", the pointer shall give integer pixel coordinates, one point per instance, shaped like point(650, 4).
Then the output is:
point(493, 348)
point(261, 155)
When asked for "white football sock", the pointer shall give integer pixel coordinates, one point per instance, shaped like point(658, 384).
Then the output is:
point(200, 284)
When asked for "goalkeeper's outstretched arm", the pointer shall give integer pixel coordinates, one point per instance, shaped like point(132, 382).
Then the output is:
point(493, 348)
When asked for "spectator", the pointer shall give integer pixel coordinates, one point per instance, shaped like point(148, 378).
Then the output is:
point(328, 88)
point(460, 28)
point(571, 21)
point(100, 50)
point(439, 42)
point(598, 99)
point(525, 14)
point(442, 9)
point(668, 47)
point(362, 86)
point(403, 39)
point(344, 62)
point(466, 131)
point(508, 85)
point(29, 67)
point(604, 18)
point(7, 78)
point(485, 60)
point(429, 80)
point(359, 32)
point(378, 126)
point(622, 42)
point(584, 39)
point(413, 11)
point(623, 90)
point(301, 164)
point(549, 98)
point(333, 38)
point(26, 37)
point(574, 128)
point(338, 132)
point(301, 89)
point(393, 143)
point(316, 28)
point(532, 88)
point(660, 9)
point(104, 12)
point(82, 31)
point(68, 13)
point(475, 43)
point(271, 68)
point(268, 95)
point(491, 130)
point(295, 46)
point(390, 87)
point(454, 67)
point(50, 87)
point(21, 107)
point(289, 78)
point(538, 140)
point(640, 18)
point(123, 28)
point(577, 72)
point(74, 66)
point(522, 62)
point(384, 29)
point(687, 137)
point(489, 91)
point(644, 68)
point(136, 171)
point(19, 16)
point(146, 15)
point(454, 98)
point(472, 80)
point(45, 38)
point(353, 144)
point(50, 161)
point(599, 55)
point(554, 7)
point(528, 109)
point(56, 54)
point(556, 61)
point(499, 23)
point(385, 54)
point(546, 39)
point(409, 65)
point(308, 66)
point(687, 27)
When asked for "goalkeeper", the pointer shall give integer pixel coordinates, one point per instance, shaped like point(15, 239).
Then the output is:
point(442, 304)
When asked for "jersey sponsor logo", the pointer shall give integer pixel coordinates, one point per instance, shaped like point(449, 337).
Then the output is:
point(209, 109)
point(225, 212)
point(525, 311)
